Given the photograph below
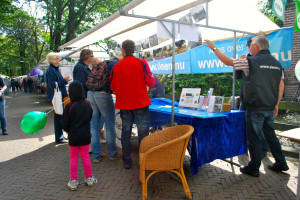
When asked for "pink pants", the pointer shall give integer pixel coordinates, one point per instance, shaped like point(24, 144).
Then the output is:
point(85, 158)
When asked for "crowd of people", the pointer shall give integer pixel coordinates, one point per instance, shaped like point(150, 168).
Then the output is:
point(14, 85)
point(130, 79)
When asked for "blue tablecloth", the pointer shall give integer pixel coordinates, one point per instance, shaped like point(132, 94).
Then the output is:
point(216, 135)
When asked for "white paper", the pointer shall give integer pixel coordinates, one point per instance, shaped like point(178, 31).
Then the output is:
point(163, 33)
point(189, 32)
point(211, 104)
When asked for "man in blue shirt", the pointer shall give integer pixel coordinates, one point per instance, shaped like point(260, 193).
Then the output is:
point(82, 70)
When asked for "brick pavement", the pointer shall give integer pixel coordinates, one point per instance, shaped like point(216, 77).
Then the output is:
point(33, 167)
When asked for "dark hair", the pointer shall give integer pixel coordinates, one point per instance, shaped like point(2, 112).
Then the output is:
point(85, 54)
point(128, 46)
point(76, 91)
point(249, 42)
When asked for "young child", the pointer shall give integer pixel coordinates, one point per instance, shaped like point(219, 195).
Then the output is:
point(76, 122)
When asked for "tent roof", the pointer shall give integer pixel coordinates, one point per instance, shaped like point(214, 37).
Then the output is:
point(238, 15)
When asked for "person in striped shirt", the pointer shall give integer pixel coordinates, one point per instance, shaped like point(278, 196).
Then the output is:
point(264, 88)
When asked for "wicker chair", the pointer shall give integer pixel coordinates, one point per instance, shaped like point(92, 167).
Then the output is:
point(164, 151)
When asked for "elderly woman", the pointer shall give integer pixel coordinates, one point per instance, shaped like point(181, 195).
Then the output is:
point(95, 62)
point(53, 75)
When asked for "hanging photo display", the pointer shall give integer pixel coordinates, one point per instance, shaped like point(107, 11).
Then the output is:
point(153, 40)
point(167, 51)
point(198, 13)
point(158, 54)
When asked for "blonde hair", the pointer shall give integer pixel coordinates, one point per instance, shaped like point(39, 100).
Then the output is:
point(52, 56)
point(94, 62)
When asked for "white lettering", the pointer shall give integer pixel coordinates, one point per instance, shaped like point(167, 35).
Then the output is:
point(288, 58)
point(219, 63)
point(269, 67)
point(202, 64)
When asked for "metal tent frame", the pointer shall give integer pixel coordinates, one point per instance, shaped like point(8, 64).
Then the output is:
point(174, 23)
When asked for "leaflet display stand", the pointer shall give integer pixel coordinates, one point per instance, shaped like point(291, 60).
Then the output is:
point(190, 98)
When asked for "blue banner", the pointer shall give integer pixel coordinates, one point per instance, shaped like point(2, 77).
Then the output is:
point(164, 66)
point(202, 60)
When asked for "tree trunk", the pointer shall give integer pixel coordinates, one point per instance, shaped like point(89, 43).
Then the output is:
point(58, 29)
point(71, 22)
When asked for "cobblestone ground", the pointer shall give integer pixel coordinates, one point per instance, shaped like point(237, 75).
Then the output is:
point(33, 167)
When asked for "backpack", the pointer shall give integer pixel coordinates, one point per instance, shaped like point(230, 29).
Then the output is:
point(98, 76)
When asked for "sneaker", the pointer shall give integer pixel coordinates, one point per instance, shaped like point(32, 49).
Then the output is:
point(72, 185)
point(62, 141)
point(90, 181)
point(276, 167)
point(4, 133)
point(98, 160)
point(249, 171)
point(116, 157)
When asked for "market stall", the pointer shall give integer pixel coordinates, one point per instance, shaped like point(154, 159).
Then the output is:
point(141, 19)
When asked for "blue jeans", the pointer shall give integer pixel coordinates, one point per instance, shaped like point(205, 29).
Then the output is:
point(103, 107)
point(2, 115)
point(8, 89)
point(58, 128)
point(258, 123)
point(142, 117)
point(264, 144)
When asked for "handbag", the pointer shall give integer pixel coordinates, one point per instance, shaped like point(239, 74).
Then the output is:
point(57, 101)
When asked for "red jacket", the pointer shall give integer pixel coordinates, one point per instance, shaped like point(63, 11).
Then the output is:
point(129, 81)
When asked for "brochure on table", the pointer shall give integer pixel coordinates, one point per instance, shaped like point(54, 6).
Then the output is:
point(190, 98)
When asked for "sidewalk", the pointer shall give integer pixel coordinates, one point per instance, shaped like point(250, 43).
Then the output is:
point(33, 167)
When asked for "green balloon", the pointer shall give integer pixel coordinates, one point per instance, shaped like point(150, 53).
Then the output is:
point(33, 122)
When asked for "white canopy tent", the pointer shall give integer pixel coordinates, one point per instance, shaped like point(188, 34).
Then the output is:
point(234, 15)
point(139, 18)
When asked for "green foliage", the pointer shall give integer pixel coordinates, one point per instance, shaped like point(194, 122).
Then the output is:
point(266, 8)
point(20, 41)
point(222, 83)
point(68, 19)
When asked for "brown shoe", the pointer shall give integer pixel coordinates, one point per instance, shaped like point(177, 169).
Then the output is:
point(116, 157)
point(101, 158)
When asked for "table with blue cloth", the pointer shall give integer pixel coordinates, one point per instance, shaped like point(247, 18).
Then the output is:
point(216, 135)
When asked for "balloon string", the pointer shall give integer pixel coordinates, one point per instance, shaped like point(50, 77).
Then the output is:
point(61, 103)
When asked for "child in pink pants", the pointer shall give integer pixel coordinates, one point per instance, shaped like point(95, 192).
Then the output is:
point(76, 122)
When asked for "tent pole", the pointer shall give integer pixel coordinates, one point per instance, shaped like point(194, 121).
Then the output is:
point(173, 72)
point(233, 75)
point(206, 18)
